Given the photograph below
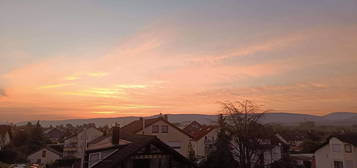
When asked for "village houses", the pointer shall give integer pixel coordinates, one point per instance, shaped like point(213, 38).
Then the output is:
point(123, 150)
point(55, 135)
point(75, 145)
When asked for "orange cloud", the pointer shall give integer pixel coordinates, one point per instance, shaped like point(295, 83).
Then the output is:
point(143, 76)
point(55, 85)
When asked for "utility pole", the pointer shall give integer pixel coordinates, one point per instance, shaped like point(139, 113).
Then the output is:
point(84, 148)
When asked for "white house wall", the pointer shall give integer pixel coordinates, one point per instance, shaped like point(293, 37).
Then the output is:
point(50, 157)
point(325, 156)
point(199, 146)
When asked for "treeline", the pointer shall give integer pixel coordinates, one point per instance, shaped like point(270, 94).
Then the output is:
point(31, 137)
point(24, 140)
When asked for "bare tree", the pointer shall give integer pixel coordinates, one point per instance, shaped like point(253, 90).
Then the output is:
point(247, 134)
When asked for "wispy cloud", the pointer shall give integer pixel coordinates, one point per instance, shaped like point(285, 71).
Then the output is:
point(59, 85)
point(151, 72)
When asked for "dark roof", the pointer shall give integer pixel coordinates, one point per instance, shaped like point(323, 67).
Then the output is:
point(137, 143)
point(202, 132)
point(137, 125)
point(56, 147)
point(54, 131)
point(5, 129)
point(348, 138)
point(77, 132)
point(101, 138)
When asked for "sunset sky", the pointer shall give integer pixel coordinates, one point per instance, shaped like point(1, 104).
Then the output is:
point(87, 58)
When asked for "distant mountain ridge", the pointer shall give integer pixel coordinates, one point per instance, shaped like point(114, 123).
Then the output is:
point(335, 118)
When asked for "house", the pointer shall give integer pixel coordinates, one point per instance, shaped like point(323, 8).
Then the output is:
point(46, 155)
point(339, 151)
point(162, 129)
point(54, 134)
point(121, 150)
point(203, 138)
point(75, 145)
point(295, 140)
point(275, 148)
point(5, 135)
point(268, 150)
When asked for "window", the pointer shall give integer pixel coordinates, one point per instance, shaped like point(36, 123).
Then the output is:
point(155, 129)
point(336, 147)
point(348, 148)
point(164, 129)
point(338, 164)
point(44, 153)
point(94, 156)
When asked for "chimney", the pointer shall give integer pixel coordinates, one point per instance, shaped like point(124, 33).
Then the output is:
point(166, 117)
point(142, 120)
point(220, 120)
point(116, 134)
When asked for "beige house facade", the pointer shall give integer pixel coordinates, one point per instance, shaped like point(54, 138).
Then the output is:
point(44, 156)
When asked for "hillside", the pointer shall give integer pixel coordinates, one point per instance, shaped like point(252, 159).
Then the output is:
point(336, 118)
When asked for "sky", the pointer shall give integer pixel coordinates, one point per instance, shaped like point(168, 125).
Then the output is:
point(87, 58)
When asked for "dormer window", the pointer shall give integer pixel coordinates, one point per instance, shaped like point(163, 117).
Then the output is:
point(348, 148)
point(155, 129)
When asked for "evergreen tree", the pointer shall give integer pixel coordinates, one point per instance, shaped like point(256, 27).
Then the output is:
point(37, 139)
point(222, 155)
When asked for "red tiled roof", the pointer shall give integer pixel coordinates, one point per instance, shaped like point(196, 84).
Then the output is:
point(202, 132)
point(137, 125)
point(192, 127)
point(197, 131)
